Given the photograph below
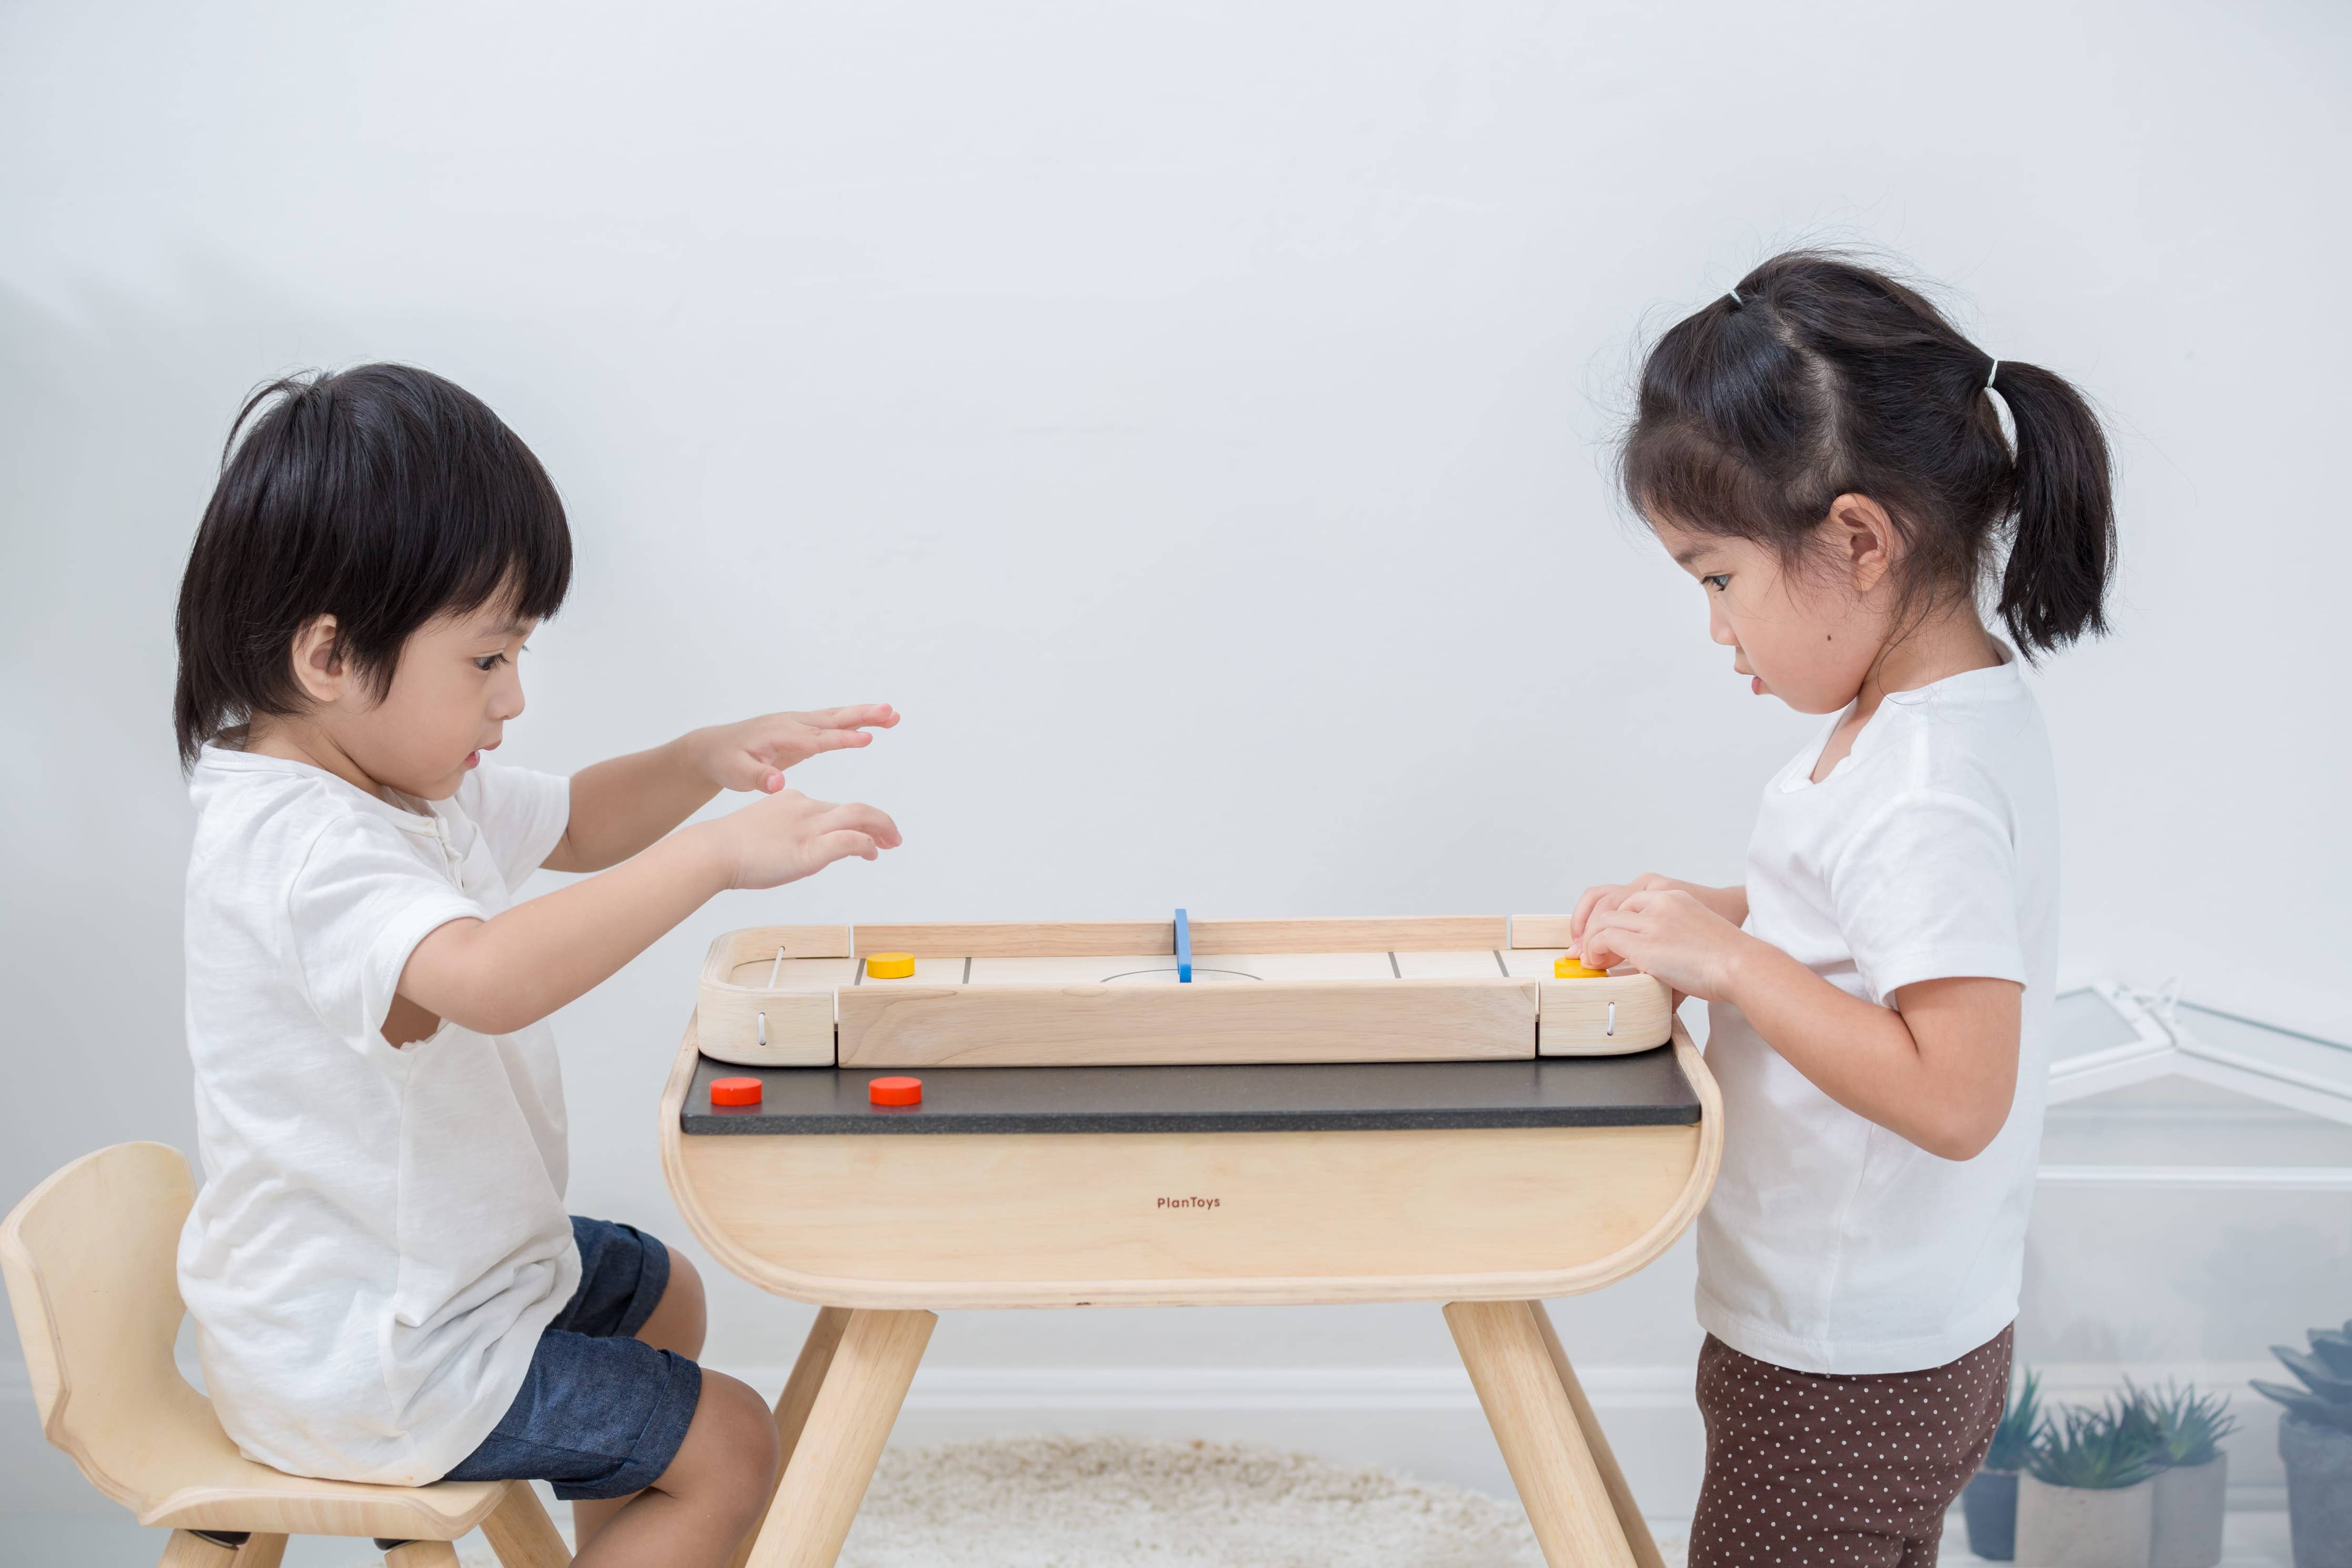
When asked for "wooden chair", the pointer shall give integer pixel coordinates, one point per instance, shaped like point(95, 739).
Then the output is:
point(90, 1259)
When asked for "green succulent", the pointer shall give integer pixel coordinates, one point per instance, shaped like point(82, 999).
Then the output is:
point(2189, 1425)
point(2111, 1446)
point(2020, 1412)
point(2326, 1372)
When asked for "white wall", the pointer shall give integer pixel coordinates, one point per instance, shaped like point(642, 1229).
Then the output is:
point(1191, 415)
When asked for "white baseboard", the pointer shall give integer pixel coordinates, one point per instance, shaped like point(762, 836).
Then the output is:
point(1423, 1420)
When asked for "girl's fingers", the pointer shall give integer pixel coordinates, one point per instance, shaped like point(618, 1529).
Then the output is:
point(1584, 910)
point(840, 846)
point(862, 817)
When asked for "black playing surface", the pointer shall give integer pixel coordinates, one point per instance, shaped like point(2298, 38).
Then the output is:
point(1644, 1090)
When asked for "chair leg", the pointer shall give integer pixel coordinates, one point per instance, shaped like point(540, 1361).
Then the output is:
point(422, 1554)
point(261, 1552)
point(186, 1549)
point(521, 1533)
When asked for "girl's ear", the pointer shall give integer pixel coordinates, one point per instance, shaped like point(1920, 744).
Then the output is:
point(1865, 540)
point(318, 662)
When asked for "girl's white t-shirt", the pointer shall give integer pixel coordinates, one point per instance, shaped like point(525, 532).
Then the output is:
point(381, 1234)
point(1830, 1244)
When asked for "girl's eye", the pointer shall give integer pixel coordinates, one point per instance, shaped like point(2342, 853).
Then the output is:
point(490, 662)
point(1718, 581)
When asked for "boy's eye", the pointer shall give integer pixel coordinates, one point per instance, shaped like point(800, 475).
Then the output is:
point(1718, 581)
point(490, 662)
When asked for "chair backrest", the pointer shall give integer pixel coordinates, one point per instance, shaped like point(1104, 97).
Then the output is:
point(90, 1259)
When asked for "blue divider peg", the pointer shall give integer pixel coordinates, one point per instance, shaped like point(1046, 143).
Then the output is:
point(1183, 950)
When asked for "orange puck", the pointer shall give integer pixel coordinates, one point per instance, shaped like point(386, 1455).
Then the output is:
point(894, 1090)
point(734, 1091)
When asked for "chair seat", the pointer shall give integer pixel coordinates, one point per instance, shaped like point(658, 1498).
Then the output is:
point(298, 1505)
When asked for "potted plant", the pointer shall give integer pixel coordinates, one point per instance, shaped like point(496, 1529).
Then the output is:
point(1990, 1503)
point(2087, 1496)
point(2192, 1487)
point(2315, 1441)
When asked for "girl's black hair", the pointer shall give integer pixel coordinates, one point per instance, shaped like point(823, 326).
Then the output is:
point(1818, 377)
point(383, 495)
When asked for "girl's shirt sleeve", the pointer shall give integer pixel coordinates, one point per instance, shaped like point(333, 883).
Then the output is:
point(1927, 890)
point(521, 815)
point(362, 901)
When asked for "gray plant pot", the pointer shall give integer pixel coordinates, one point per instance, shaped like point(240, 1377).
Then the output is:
point(2318, 1492)
point(2084, 1527)
point(1990, 1505)
point(2188, 1508)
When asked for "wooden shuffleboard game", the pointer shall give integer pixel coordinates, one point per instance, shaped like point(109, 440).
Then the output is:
point(1185, 1113)
point(1167, 992)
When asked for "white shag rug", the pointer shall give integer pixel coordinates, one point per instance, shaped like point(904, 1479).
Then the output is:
point(1116, 1502)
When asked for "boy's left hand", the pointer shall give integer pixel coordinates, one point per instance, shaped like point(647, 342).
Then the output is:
point(1667, 933)
point(753, 755)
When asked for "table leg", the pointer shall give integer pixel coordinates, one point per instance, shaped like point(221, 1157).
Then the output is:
point(1621, 1496)
point(849, 1416)
point(792, 1404)
point(1541, 1439)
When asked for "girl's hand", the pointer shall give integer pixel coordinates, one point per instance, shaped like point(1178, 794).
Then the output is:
point(753, 755)
point(789, 836)
point(1670, 933)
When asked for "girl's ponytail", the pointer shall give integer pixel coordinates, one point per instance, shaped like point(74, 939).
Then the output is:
point(1819, 377)
point(2063, 538)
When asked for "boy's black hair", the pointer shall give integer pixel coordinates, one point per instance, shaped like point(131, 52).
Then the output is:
point(1819, 377)
point(383, 495)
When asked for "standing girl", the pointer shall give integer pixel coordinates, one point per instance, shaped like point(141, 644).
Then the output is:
point(1822, 450)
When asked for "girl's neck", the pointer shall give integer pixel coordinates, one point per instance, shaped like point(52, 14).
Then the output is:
point(1937, 649)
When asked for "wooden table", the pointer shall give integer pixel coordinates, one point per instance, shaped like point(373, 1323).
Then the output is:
point(1486, 1184)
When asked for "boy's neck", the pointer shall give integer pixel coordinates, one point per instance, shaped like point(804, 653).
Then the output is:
point(295, 740)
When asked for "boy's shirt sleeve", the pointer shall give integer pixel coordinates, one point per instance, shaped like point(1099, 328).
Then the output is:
point(362, 901)
point(1927, 890)
point(521, 815)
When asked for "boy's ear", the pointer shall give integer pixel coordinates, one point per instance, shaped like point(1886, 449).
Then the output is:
point(318, 660)
point(1864, 538)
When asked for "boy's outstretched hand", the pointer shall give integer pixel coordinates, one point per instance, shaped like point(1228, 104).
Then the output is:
point(789, 836)
point(754, 754)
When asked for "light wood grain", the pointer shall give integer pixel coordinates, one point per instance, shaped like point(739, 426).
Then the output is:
point(756, 1025)
point(1135, 1025)
point(1542, 1441)
point(798, 1396)
point(1420, 933)
point(782, 1212)
point(422, 1554)
point(521, 1533)
point(263, 1551)
point(847, 1426)
point(1604, 1460)
point(1541, 931)
point(90, 1260)
point(1462, 964)
point(1020, 940)
point(1577, 1017)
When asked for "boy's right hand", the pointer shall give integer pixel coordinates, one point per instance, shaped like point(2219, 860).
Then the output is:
point(787, 836)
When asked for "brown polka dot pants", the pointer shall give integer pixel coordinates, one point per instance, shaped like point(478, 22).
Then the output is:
point(1810, 1470)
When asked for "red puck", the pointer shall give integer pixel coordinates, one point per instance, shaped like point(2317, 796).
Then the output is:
point(894, 1090)
point(734, 1091)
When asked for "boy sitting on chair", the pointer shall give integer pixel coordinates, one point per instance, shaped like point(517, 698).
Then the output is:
point(384, 1278)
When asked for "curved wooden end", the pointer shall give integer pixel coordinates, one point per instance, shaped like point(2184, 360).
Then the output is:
point(1163, 1219)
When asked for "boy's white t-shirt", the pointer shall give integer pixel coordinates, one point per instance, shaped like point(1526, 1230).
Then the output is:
point(1830, 1244)
point(382, 1235)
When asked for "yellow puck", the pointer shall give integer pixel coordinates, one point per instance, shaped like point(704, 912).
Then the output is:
point(1571, 967)
point(889, 965)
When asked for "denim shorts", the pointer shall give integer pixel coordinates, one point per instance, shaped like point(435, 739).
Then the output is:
point(601, 1415)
